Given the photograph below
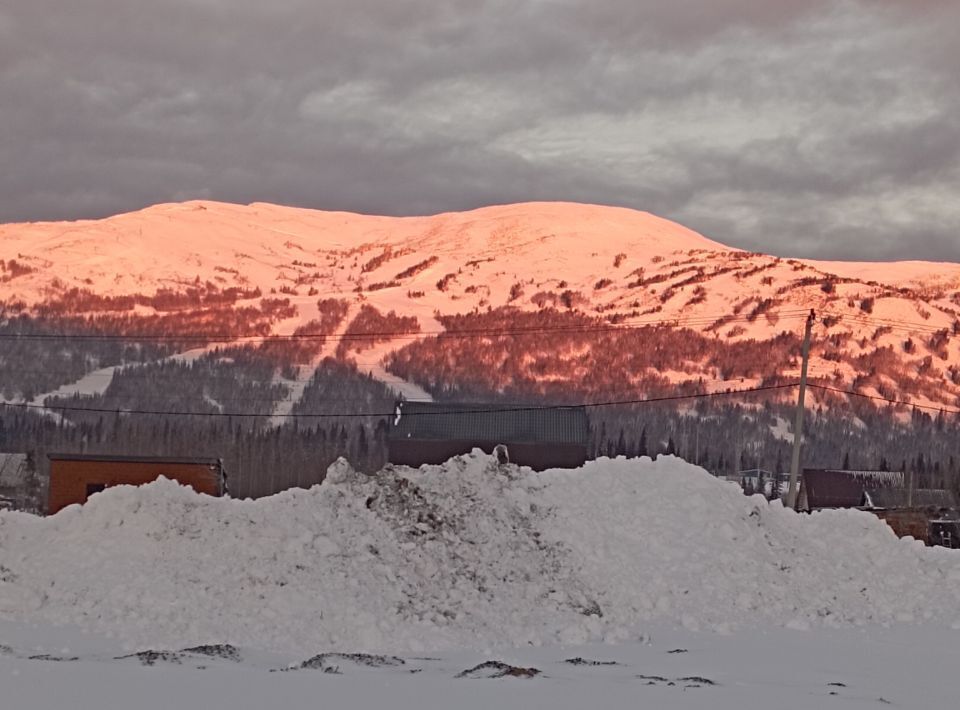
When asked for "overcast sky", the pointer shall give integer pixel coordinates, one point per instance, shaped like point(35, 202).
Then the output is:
point(821, 128)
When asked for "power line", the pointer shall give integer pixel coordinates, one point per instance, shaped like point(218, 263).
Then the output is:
point(288, 397)
point(878, 398)
point(893, 324)
point(351, 415)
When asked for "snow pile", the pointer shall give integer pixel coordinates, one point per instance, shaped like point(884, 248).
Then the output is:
point(465, 554)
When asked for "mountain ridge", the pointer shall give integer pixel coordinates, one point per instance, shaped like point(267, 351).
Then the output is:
point(226, 226)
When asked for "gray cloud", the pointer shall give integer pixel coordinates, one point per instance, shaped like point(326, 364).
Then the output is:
point(816, 128)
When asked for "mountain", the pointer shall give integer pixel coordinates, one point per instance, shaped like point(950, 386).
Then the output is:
point(618, 265)
point(537, 302)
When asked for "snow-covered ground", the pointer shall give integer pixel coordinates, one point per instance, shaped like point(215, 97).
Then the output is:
point(904, 666)
point(469, 562)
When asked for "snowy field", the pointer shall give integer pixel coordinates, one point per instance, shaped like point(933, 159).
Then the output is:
point(696, 594)
point(904, 666)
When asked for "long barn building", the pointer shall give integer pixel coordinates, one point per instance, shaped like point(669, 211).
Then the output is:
point(541, 438)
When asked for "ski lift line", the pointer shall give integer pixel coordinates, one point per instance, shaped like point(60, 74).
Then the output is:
point(915, 329)
point(392, 335)
point(863, 395)
point(265, 400)
point(379, 415)
point(896, 324)
point(837, 390)
point(288, 399)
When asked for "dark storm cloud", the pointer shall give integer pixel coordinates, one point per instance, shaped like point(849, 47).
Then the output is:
point(821, 128)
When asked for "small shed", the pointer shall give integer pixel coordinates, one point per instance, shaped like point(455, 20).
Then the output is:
point(945, 530)
point(76, 477)
point(538, 437)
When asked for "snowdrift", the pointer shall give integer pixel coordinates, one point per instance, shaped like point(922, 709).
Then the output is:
point(467, 554)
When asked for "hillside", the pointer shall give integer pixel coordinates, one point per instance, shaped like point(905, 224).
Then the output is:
point(617, 265)
point(278, 314)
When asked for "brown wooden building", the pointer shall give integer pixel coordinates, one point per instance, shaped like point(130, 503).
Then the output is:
point(431, 433)
point(927, 514)
point(930, 515)
point(76, 477)
point(837, 488)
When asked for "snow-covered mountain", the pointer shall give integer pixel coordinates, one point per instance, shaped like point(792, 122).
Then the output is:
point(883, 325)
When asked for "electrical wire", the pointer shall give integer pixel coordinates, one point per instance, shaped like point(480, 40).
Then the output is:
point(878, 398)
point(900, 325)
point(897, 325)
point(350, 415)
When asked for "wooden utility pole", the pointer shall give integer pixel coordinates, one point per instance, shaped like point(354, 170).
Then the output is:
point(798, 422)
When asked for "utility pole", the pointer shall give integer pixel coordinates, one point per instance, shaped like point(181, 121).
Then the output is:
point(696, 460)
point(910, 488)
point(798, 422)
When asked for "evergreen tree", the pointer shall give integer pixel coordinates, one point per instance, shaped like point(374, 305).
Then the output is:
point(642, 446)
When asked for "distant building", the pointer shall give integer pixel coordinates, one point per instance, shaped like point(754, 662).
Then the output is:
point(541, 438)
point(930, 515)
point(837, 488)
point(76, 477)
point(875, 499)
point(760, 481)
point(753, 479)
point(19, 485)
point(13, 471)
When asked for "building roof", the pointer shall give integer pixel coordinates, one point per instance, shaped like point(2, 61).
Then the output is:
point(904, 498)
point(194, 461)
point(13, 469)
point(834, 488)
point(497, 423)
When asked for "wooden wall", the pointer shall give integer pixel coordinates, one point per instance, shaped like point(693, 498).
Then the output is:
point(71, 480)
point(915, 523)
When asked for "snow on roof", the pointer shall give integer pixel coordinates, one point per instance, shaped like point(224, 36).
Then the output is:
point(905, 498)
point(838, 488)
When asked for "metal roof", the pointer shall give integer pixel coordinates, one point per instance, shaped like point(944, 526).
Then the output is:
point(904, 498)
point(194, 461)
point(497, 423)
point(832, 488)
